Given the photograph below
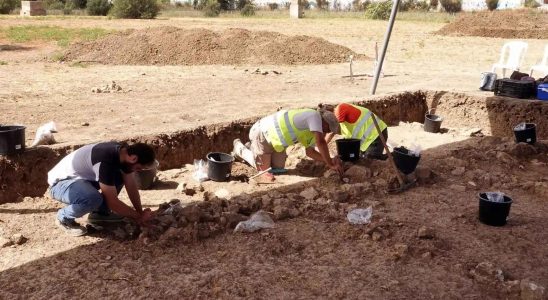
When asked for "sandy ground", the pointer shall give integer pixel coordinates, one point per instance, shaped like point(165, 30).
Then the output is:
point(318, 254)
point(35, 92)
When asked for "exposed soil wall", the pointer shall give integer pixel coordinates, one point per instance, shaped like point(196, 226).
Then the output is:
point(25, 174)
point(406, 107)
point(494, 115)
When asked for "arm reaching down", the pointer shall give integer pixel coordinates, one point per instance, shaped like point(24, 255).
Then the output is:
point(133, 191)
point(323, 155)
point(115, 204)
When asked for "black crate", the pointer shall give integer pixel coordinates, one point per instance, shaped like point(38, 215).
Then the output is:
point(523, 89)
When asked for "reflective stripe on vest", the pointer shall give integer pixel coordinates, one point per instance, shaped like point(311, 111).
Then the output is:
point(358, 127)
point(284, 133)
point(358, 130)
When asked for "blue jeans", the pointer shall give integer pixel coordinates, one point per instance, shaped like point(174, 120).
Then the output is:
point(82, 197)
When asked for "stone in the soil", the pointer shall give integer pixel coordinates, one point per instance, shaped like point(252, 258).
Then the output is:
point(330, 173)
point(425, 233)
point(376, 236)
point(338, 196)
point(380, 183)
point(120, 233)
point(505, 158)
point(532, 291)
point(522, 150)
point(18, 239)
point(192, 213)
point(167, 220)
point(400, 250)
point(281, 213)
point(486, 272)
point(458, 187)
point(309, 194)
point(294, 212)
point(424, 174)
point(223, 194)
point(230, 219)
point(4, 242)
point(458, 171)
point(541, 188)
point(427, 255)
point(358, 174)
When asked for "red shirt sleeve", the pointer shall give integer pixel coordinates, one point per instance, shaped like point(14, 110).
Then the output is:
point(347, 113)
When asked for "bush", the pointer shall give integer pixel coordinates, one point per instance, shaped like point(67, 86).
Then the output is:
point(419, 5)
point(98, 7)
point(57, 5)
point(491, 4)
point(80, 4)
point(273, 6)
point(135, 9)
point(451, 6)
point(379, 10)
point(6, 6)
point(434, 3)
point(69, 6)
point(359, 5)
point(248, 10)
point(531, 4)
point(322, 4)
point(212, 9)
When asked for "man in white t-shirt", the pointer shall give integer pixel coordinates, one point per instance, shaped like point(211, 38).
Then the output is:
point(89, 179)
point(271, 135)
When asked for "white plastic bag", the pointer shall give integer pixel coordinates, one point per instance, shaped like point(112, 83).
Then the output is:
point(520, 127)
point(360, 216)
point(44, 134)
point(495, 196)
point(200, 170)
point(258, 220)
point(415, 149)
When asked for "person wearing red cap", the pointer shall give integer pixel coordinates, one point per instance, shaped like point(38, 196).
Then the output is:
point(356, 122)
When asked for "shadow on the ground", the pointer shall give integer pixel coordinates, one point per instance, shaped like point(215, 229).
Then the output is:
point(24, 211)
point(15, 48)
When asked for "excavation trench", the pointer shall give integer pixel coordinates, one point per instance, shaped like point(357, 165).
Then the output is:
point(25, 174)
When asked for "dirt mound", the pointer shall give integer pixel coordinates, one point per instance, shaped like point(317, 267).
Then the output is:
point(520, 24)
point(176, 46)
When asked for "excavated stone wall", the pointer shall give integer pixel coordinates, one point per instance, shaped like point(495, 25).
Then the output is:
point(25, 174)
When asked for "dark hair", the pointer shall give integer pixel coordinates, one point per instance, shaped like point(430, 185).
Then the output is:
point(145, 153)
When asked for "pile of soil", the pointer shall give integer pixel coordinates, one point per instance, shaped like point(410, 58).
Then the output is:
point(510, 24)
point(177, 46)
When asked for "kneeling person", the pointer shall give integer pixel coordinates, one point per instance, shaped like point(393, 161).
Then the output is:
point(357, 123)
point(89, 180)
point(271, 136)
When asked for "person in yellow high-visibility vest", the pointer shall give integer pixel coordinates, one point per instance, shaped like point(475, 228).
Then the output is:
point(271, 135)
point(356, 122)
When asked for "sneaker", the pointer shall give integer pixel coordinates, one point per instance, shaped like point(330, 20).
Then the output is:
point(71, 227)
point(96, 217)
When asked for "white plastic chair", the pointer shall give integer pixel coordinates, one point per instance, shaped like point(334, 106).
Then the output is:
point(514, 52)
point(543, 66)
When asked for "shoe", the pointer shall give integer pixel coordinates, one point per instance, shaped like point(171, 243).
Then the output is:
point(96, 217)
point(277, 171)
point(71, 227)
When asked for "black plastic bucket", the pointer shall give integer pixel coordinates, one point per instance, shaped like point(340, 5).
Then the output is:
point(219, 166)
point(348, 149)
point(406, 163)
point(527, 135)
point(432, 123)
point(12, 139)
point(493, 213)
